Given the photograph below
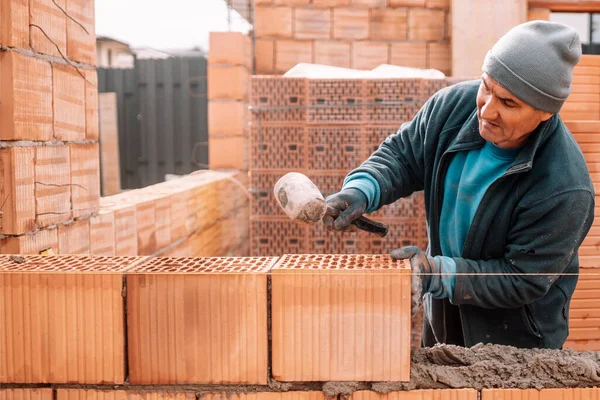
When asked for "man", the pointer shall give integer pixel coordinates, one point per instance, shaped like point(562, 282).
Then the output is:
point(507, 192)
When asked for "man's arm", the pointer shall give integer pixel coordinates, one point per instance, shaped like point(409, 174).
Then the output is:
point(541, 244)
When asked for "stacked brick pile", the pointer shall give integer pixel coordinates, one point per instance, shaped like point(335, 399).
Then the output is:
point(584, 101)
point(353, 34)
point(229, 72)
point(324, 128)
point(49, 183)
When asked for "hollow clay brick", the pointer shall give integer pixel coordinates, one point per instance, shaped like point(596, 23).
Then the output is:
point(445, 394)
point(265, 396)
point(426, 24)
point(109, 149)
point(265, 55)
point(32, 243)
point(312, 23)
point(368, 55)
point(25, 394)
point(409, 54)
point(49, 35)
point(440, 57)
point(350, 23)
point(81, 45)
point(52, 185)
point(389, 24)
point(544, 394)
point(14, 23)
point(228, 82)
point(90, 394)
point(85, 179)
point(200, 320)
point(407, 3)
point(102, 233)
point(61, 325)
point(163, 222)
point(335, 53)
point(228, 117)
point(273, 22)
point(69, 103)
point(145, 211)
point(229, 152)
point(231, 48)
point(318, 301)
point(26, 92)
point(17, 193)
point(74, 238)
point(91, 105)
point(288, 53)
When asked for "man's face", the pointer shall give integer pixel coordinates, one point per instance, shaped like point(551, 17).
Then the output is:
point(505, 120)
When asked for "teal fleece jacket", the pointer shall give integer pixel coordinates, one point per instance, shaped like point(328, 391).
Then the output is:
point(510, 285)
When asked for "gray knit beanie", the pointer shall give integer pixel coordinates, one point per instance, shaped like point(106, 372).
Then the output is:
point(534, 61)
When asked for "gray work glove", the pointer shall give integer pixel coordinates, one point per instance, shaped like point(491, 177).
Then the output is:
point(422, 267)
point(350, 204)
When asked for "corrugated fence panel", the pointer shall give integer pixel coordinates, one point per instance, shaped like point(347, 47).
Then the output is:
point(163, 123)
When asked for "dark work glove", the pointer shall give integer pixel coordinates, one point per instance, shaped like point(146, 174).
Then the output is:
point(422, 267)
point(350, 204)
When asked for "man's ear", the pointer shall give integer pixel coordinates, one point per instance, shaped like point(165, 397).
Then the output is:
point(546, 116)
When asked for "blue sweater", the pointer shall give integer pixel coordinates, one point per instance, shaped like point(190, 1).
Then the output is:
point(469, 176)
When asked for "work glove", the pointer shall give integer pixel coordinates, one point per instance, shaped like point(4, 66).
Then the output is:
point(422, 267)
point(350, 204)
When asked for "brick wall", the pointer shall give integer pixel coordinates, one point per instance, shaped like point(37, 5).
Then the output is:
point(352, 33)
point(49, 182)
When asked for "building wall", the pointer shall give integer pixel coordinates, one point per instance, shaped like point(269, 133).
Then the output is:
point(359, 34)
point(120, 55)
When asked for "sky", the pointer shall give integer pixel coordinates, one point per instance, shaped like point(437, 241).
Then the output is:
point(164, 24)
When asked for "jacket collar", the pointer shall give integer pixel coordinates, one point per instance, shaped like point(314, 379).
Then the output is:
point(468, 137)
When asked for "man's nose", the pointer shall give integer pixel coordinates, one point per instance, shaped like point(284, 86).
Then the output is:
point(489, 110)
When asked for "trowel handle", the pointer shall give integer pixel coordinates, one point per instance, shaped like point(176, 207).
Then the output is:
point(368, 225)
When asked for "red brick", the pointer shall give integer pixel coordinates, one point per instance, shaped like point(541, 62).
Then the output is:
point(59, 326)
point(102, 234)
point(542, 14)
point(426, 24)
point(17, 190)
point(91, 394)
point(389, 24)
point(163, 222)
point(69, 103)
point(26, 394)
point(289, 53)
point(445, 394)
point(292, 2)
point(369, 3)
point(368, 55)
point(81, 45)
point(350, 23)
point(52, 185)
point(14, 23)
point(335, 295)
point(231, 48)
point(440, 57)
point(228, 152)
point(265, 55)
point(227, 117)
point(109, 149)
point(227, 82)
point(409, 54)
point(438, 4)
point(221, 296)
point(53, 22)
point(330, 3)
point(145, 211)
point(407, 3)
point(535, 394)
point(334, 53)
point(265, 396)
point(91, 105)
point(273, 22)
point(126, 243)
point(74, 238)
point(26, 92)
point(31, 243)
point(312, 23)
point(85, 179)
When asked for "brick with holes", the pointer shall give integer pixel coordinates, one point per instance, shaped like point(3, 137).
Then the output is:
point(332, 101)
point(338, 293)
point(263, 201)
point(26, 92)
point(402, 232)
point(443, 394)
point(277, 236)
point(278, 147)
point(126, 243)
point(85, 179)
point(48, 27)
point(102, 233)
point(394, 100)
point(52, 185)
point(335, 148)
point(94, 394)
point(26, 394)
point(278, 99)
point(292, 395)
point(219, 296)
point(72, 327)
point(74, 238)
point(32, 243)
point(17, 190)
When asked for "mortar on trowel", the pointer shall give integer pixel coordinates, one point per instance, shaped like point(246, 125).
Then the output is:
point(302, 201)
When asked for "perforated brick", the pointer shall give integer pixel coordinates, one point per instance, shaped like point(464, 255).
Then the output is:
point(102, 233)
point(376, 134)
point(52, 185)
point(31, 243)
point(321, 241)
point(26, 394)
point(328, 182)
point(278, 147)
point(185, 310)
point(49, 30)
point(317, 303)
point(336, 101)
point(68, 97)
point(431, 86)
point(17, 190)
point(292, 395)
point(67, 263)
point(85, 179)
point(279, 99)
point(443, 394)
point(394, 100)
point(402, 232)
point(408, 207)
point(275, 237)
point(92, 394)
point(74, 238)
point(263, 202)
point(335, 148)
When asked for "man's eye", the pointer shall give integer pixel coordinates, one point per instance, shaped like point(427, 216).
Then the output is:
point(508, 103)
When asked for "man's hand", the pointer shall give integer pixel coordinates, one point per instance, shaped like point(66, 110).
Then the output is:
point(422, 266)
point(350, 204)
